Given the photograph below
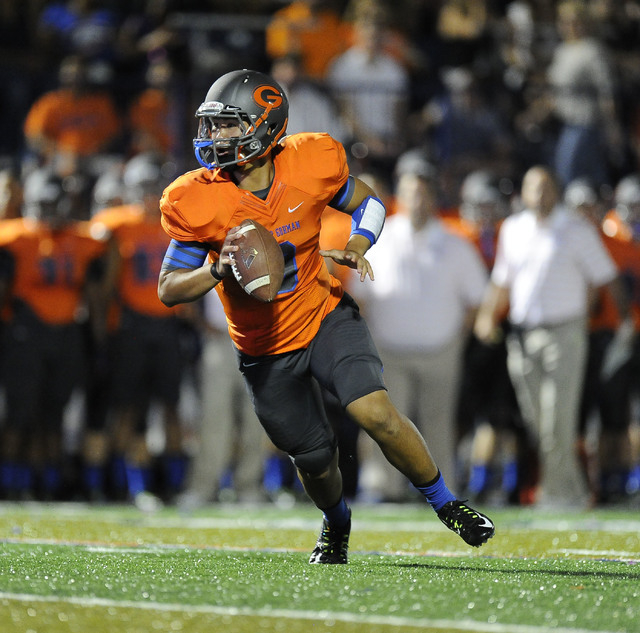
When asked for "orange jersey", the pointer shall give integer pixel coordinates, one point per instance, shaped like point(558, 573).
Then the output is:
point(626, 255)
point(149, 121)
point(50, 267)
point(317, 37)
point(141, 243)
point(614, 226)
point(485, 241)
point(617, 237)
point(203, 205)
point(78, 124)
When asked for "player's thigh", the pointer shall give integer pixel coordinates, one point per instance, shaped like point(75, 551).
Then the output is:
point(287, 402)
point(343, 356)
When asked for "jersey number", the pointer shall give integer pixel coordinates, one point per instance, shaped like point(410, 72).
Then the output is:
point(57, 270)
point(146, 264)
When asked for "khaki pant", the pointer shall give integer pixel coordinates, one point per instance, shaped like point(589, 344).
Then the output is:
point(547, 366)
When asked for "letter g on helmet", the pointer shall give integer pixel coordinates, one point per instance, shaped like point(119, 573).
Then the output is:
point(256, 104)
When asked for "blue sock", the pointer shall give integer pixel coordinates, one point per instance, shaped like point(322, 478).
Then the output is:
point(275, 468)
point(135, 479)
point(94, 477)
point(119, 473)
point(478, 479)
point(51, 478)
point(510, 476)
point(633, 481)
point(436, 492)
point(24, 478)
point(8, 472)
point(175, 470)
point(226, 479)
point(338, 515)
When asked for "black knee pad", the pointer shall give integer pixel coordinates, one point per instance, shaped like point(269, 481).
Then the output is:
point(316, 461)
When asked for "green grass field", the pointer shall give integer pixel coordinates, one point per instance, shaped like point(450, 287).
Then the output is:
point(76, 568)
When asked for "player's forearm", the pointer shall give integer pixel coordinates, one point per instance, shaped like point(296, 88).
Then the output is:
point(183, 285)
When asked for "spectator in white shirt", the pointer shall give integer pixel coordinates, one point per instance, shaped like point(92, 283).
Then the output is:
point(549, 260)
point(429, 283)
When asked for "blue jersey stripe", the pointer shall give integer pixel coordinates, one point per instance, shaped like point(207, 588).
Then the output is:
point(184, 255)
point(343, 197)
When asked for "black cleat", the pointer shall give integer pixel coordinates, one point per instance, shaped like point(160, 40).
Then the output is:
point(332, 545)
point(473, 527)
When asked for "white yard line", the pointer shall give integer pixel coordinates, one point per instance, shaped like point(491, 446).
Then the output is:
point(395, 621)
point(528, 520)
point(134, 549)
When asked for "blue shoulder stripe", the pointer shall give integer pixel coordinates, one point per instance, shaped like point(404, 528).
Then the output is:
point(343, 197)
point(184, 255)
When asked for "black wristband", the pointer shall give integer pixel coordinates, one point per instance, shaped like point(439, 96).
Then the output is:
point(214, 272)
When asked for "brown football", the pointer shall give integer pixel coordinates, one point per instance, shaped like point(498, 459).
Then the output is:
point(258, 263)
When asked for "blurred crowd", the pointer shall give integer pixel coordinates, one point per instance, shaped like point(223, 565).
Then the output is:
point(461, 114)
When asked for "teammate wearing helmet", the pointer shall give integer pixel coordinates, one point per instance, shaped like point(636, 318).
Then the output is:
point(608, 379)
point(623, 224)
point(50, 271)
point(312, 330)
point(487, 407)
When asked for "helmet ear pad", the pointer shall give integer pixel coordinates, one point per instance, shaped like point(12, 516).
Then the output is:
point(257, 102)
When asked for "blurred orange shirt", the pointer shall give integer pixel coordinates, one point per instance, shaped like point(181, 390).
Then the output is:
point(149, 121)
point(625, 252)
point(50, 266)
point(317, 37)
point(141, 242)
point(78, 124)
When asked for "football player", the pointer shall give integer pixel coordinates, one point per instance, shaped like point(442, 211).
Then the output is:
point(312, 330)
point(50, 272)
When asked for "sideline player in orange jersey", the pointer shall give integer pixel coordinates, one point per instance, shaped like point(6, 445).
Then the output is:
point(76, 120)
point(487, 406)
point(147, 364)
point(313, 329)
point(51, 272)
point(608, 380)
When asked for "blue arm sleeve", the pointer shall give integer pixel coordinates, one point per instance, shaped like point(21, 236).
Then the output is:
point(368, 219)
point(184, 255)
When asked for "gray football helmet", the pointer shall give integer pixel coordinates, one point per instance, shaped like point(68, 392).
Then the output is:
point(256, 104)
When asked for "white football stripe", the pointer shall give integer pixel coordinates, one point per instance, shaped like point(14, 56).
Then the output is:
point(247, 227)
point(257, 283)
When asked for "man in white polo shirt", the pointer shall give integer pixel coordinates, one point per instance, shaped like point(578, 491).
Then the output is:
point(549, 260)
point(429, 284)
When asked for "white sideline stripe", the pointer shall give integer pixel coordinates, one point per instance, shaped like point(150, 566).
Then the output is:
point(425, 623)
point(633, 556)
point(529, 521)
point(133, 549)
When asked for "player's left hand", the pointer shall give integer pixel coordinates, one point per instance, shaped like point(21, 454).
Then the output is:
point(352, 259)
